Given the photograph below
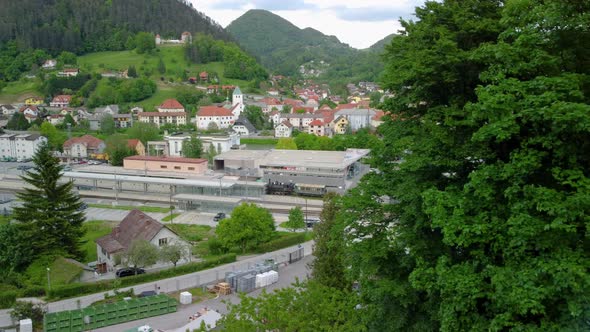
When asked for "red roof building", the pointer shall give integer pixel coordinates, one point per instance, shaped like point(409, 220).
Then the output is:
point(214, 111)
point(171, 105)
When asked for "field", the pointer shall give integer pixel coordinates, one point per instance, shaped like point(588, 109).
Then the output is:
point(18, 91)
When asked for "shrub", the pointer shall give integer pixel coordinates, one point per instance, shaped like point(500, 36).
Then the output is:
point(215, 246)
point(33, 291)
point(282, 242)
point(7, 299)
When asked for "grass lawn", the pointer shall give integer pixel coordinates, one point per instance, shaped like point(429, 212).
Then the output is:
point(61, 271)
point(192, 233)
point(170, 217)
point(94, 229)
point(155, 209)
point(198, 294)
point(163, 92)
point(19, 91)
point(263, 141)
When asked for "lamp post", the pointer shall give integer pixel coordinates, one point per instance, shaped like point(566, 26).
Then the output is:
point(48, 279)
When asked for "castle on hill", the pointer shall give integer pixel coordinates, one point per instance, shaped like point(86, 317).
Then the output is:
point(185, 37)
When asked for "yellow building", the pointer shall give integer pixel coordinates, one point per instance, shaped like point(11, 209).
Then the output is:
point(36, 101)
point(339, 125)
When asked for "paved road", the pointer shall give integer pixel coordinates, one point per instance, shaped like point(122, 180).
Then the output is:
point(287, 276)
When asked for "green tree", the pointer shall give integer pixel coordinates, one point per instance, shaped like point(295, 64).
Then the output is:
point(211, 153)
point(255, 116)
point(50, 208)
point(24, 309)
point(161, 66)
point(107, 124)
point(302, 307)
point(192, 148)
point(141, 253)
point(117, 149)
point(173, 253)
point(15, 252)
point(328, 267)
point(55, 138)
point(67, 58)
point(131, 71)
point(296, 220)
point(145, 42)
point(144, 132)
point(286, 143)
point(248, 226)
point(18, 122)
point(68, 119)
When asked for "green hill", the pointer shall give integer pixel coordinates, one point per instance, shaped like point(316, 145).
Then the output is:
point(283, 48)
point(380, 45)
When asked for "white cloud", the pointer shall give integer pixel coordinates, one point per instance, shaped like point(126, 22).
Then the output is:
point(359, 24)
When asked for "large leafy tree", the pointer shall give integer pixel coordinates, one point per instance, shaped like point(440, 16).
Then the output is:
point(144, 132)
point(117, 148)
point(481, 223)
point(192, 148)
point(248, 226)
point(51, 215)
point(296, 220)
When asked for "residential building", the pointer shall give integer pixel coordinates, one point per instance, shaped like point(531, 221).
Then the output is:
point(299, 121)
point(49, 64)
point(61, 101)
point(158, 39)
point(317, 127)
point(31, 113)
point(192, 166)
point(377, 119)
point(221, 116)
point(171, 106)
point(358, 118)
point(274, 117)
point(83, 147)
point(34, 101)
point(339, 125)
point(20, 146)
point(284, 129)
point(123, 120)
point(56, 119)
point(270, 104)
point(68, 72)
point(7, 110)
point(161, 118)
point(135, 226)
point(186, 37)
point(244, 127)
point(204, 76)
point(137, 146)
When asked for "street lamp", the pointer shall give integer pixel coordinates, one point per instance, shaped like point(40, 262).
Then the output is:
point(48, 279)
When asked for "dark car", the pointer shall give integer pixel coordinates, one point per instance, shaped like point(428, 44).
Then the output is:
point(129, 271)
point(219, 216)
point(310, 222)
point(24, 167)
point(84, 206)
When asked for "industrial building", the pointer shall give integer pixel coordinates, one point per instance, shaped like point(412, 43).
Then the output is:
point(328, 171)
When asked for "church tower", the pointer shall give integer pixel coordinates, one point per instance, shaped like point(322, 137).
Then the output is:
point(237, 99)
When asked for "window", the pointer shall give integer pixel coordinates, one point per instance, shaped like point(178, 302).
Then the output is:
point(176, 167)
point(191, 168)
point(163, 241)
point(163, 166)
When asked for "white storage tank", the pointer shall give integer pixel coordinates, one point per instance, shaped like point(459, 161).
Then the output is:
point(186, 298)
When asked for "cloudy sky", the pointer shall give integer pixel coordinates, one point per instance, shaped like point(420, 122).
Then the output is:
point(357, 23)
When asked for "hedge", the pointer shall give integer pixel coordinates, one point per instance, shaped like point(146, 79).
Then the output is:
point(282, 242)
point(8, 299)
point(78, 289)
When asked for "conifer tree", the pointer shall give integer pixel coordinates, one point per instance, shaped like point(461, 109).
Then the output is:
point(50, 215)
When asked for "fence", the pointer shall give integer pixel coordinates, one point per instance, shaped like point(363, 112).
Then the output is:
point(108, 314)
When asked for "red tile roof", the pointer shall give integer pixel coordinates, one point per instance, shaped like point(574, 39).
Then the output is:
point(62, 99)
point(345, 106)
point(270, 101)
point(287, 123)
point(168, 159)
point(171, 104)
point(161, 114)
point(214, 111)
point(32, 108)
point(316, 123)
point(89, 141)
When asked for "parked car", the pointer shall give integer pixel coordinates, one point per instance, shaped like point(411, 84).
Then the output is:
point(84, 206)
point(310, 222)
point(219, 216)
point(23, 167)
point(68, 168)
point(128, 271)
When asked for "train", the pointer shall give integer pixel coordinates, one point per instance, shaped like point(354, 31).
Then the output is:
point(299, 189)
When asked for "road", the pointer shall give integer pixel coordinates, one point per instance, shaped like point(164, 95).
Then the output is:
point(287, 276)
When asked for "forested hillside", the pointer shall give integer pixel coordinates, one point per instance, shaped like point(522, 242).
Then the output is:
point(97, 25)
point(282, 47)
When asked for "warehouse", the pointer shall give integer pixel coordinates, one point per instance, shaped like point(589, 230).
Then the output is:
point(330, 171)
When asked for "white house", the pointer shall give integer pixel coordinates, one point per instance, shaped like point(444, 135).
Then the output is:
point(83, 147)
point(31, 113)
point(221, 143)
point(68, 72)
point(171, 106)
point(61, 101)
point(284, 129)
point(21, 146)
point(7, 109)
point(135, 226)
point(237, 103)
point(274, 117)
point(243, 126)
point(160, 118)
point(49, 64)
point(219, 115)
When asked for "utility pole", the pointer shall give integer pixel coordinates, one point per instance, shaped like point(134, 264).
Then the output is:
point(48, 279)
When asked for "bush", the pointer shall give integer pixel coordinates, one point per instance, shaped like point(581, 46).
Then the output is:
point(215, 246)
point(282, 242)
point(78, 289)
point(33, 291)
point(8, 299)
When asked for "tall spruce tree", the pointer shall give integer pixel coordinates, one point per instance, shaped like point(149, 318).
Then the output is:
point(50, 215)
